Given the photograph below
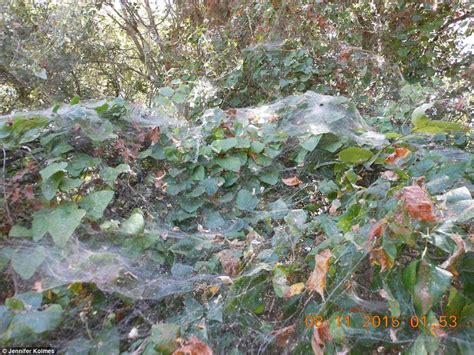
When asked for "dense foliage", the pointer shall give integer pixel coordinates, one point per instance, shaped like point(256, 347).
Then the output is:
point(171, 219)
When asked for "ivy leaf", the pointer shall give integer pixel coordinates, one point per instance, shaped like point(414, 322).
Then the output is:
point(166, 91)
point(109, 175)
point(246, 201)
point(311, 143)
point(229, 163)
point(223, 145)
point(18, 231)
point(355, 155)
point(135, 224)
point(39, 225)
point(163, 337)
point(52, 169)
point(96, 202)
point(25, 262)
point(25, 326)
point(63, 221)
point(51, 185)
point(270, 178)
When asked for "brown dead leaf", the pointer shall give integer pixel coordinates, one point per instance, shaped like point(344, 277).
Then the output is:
point(231, 112)
point(378, 256)
point(396, 156)
point(460, 250)
point(320, 335)
point(376, 230)
point(292, 181)
point(154, 135)
point(317, 279)
point(294, 290)
point(229, 262)
point(193, 346)
point(417, 203)
point(282, 335)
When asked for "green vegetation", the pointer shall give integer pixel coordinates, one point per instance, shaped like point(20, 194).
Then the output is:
point(225, 194)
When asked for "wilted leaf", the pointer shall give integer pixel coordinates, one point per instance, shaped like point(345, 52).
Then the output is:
point(376, 230)
point(398, 155)
point(294, 290)
point(380, 257)
point(320, 336)
point(292, 181)
point(193, 346)
point(282, 335)
point(417, 203)
point(154, 135)
point(317, 279)
point(230, 262)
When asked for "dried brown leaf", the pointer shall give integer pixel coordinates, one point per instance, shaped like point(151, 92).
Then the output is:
point(320, 336)
point(229, 262)
point(378, 256)
point(283, 335)
point(317, 279)
point(417, 203)
point(292, 181)
point(193, 346)
point(396, 156)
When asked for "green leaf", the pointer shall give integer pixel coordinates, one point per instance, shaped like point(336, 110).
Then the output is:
point(63, 221)
point(246, 201)
point(163, 337)
point(52, 169)
point(68, 184)
point(198, 173)
point(51, 185)
point(25, 326)
point(109, 175)
point(418, 117)
point(355, 155)
point(271, 177)
point(311, 143)
point(25, 261)
point(40, 224)
point(223, 145)
point(166, 91)
point(107, 342)
point(18, 231)
point(229, 163)
point(75, 100)
point(431, 283)
point(96, 202)
point(191, 205)
point(135, 224)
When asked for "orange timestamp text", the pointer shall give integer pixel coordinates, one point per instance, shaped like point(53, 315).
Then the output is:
point(376, 321)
